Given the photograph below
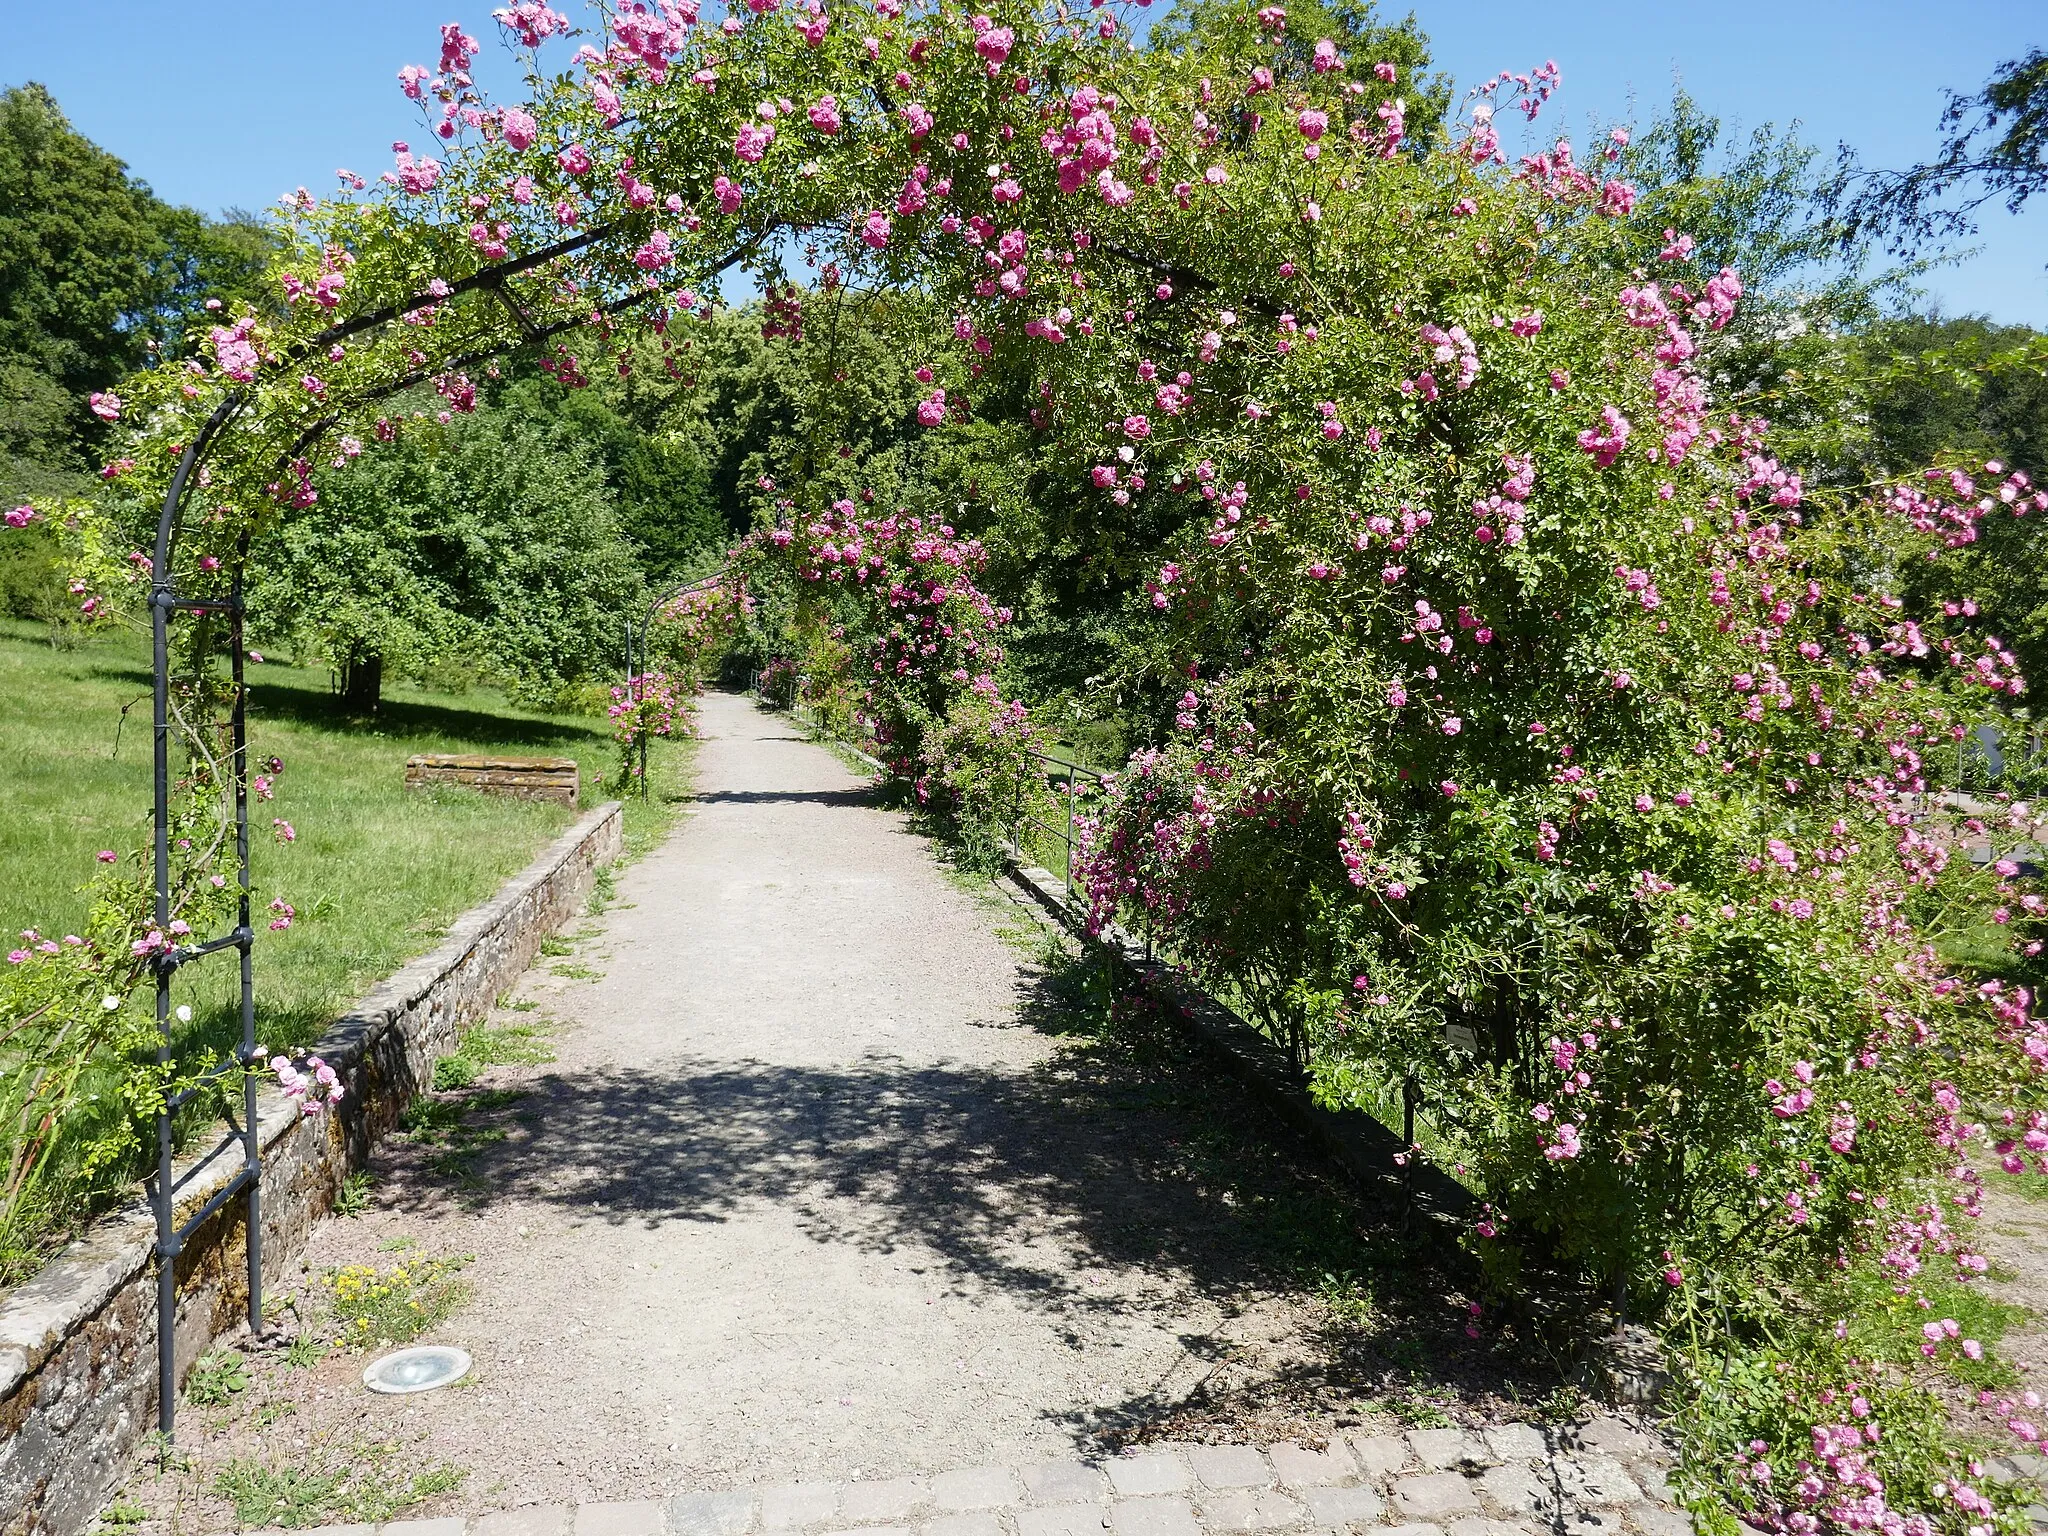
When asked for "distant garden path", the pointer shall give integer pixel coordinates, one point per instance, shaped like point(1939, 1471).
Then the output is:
point(806, 1193)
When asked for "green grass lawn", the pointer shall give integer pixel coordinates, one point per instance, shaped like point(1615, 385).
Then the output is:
point(377, 873)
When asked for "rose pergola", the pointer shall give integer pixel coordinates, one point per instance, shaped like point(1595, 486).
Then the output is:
point(1543, 744)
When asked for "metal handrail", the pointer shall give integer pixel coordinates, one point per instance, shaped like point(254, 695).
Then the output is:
point(1020, 818)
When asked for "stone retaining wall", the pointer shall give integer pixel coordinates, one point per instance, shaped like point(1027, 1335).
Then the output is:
point(78, 1341)
point(1367, 1151)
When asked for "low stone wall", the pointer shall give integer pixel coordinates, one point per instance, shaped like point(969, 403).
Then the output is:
point(78, 1341)
point(1369, 1153)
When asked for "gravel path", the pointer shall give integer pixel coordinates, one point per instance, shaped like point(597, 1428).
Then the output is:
point(798, 1199)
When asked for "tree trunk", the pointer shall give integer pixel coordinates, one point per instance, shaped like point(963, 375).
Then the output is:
point(362, 681)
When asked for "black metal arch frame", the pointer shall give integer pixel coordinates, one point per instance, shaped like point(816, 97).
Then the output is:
point(171, 1233)
point(165, 602)
point(641, 637)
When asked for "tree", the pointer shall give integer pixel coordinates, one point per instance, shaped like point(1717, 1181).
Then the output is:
point(96, 273)
point(487, 543)
point(1969, 393)
point(657, 474)
point(1994, 146)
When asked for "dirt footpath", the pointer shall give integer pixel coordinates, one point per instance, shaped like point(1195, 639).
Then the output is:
point(804, 1194)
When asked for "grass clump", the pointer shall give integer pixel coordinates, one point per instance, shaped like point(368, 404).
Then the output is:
point(353, 1198)
point(359, 1487)
point(396, 1305)
point(217, 1378)
point(481, 1046)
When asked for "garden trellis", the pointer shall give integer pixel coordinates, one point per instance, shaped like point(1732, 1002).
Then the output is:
point(1529, 732)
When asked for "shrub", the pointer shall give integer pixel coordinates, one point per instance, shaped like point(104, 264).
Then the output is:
point(397, 1305)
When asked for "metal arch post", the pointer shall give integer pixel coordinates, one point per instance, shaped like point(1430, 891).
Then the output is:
point(164, 602)
point(647, 655)
point(245, 942)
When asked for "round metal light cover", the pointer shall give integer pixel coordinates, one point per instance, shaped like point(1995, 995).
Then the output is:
point(419, 1369)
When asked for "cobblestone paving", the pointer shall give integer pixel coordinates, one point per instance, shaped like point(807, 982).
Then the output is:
point(1604, 1477)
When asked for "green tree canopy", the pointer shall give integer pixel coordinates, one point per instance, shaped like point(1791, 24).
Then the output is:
point(488, 544)
point(94, 271)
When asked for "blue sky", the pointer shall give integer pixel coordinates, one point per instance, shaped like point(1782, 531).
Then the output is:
point(231, 102)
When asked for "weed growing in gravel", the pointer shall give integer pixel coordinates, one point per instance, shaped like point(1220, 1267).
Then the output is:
point(286, 1496)
point(122, 1512)
point(354, 1486)
point(396, 1305)
point(353, 1198)
point(1417, 1411)
point(554, 946)
point(482, 1046)
point(305, 1352)
point(216, 1379)
point(456, 1071)
point(444, 1123)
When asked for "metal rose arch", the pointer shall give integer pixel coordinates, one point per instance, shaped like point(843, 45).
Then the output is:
point(614, 200)
point(1514, 724)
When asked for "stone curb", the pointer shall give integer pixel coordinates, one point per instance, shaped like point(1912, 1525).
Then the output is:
point(1363, 1148)
point(1603, 1478)
point(843, 745)
point(78, 1338)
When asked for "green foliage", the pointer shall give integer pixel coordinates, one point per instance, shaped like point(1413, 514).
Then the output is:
point(395, 1306)
point(659, 479)
point(353, 1198)
point(334, 1485)
point(289, 1496)
point(980, 780)
point(121, 1513)
point(483, 1046)
point(1355, 25)
point(489, 542)
point(1836, 1404)
point(217, 1378)
point(1994, 148)
point(93, 267)
point(34, 574)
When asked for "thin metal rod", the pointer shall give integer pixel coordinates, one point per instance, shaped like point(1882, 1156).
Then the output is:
point(645, 630)
point(252, 1138)
point(166, 1236)
point(1070, 833)
point(163, 602)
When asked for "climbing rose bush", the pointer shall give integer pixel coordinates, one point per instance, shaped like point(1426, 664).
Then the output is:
point(1538, 737)
point(647, 706)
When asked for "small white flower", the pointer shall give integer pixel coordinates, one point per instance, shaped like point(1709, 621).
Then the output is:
point(110, 1002)
point(184, 1013)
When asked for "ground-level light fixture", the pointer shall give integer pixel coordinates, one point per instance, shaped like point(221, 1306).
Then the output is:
point(419, 1369)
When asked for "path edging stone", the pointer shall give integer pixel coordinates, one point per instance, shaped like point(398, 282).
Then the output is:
point(78, 1338)
point(1363, 1148)
point(1452, 1482)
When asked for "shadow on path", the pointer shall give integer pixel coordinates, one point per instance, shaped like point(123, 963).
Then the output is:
point(1119, 1176)
point(861, 796)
